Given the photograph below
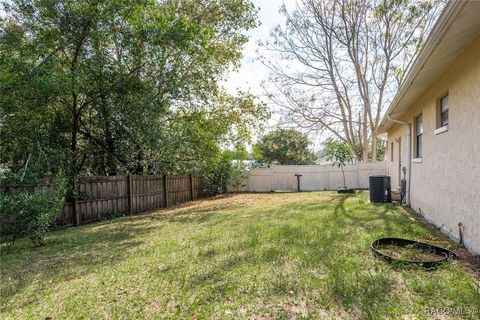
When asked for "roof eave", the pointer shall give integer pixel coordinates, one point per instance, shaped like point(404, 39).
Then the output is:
point(449, 13)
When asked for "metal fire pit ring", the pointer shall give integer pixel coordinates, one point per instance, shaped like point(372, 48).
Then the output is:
point(443, 254)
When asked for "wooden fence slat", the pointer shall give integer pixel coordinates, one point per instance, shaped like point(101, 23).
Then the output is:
point(191, 186)
point(99, 196)
point(130, 194)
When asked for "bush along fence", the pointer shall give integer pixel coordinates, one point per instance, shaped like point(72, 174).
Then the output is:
point(102, 196)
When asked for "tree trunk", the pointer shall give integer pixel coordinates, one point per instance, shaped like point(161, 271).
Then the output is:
point(72, 175)
point(365, 137)
point(109, 140)
point(374, 146)
point(139, 162)
point(76, 113)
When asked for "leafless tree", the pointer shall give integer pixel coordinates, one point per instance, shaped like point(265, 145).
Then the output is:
point(336, 64)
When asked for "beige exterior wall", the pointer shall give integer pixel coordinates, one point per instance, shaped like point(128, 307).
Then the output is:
point(445, 186)
point(397, 138)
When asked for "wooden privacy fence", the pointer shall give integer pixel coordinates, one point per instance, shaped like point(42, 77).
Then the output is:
point(312, 177)
point(101, 196)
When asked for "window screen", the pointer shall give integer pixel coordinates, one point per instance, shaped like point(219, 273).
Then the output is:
point(444, 111)
point(419, 136)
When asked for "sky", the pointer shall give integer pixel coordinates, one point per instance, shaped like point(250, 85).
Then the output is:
point(252, 72)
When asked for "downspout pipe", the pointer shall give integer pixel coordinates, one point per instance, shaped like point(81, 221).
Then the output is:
point(409, 162)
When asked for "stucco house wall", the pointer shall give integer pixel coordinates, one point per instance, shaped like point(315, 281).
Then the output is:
point(445, 185)
point(396, 160)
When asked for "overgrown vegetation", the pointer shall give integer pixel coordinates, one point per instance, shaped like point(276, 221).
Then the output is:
point(118, 87)
point(267, 256)
point(29, 211)
point(285, 147)
point(221, 173)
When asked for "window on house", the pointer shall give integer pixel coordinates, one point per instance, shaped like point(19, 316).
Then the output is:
point(443, 111)
point(419, 136)
point(391, 151)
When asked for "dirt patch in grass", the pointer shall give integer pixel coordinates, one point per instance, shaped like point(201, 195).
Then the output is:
point(246, 256)
point(409, 253)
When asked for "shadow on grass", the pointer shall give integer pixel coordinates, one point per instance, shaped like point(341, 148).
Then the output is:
point(372, 219)
point(329, 236)
point(76, 252)
point(333, 242)
point(67, 254)
point(305, 237)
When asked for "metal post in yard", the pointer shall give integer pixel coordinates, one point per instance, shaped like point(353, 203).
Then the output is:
point(298, 181)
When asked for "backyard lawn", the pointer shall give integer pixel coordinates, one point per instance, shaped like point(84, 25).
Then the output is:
point(260, 256)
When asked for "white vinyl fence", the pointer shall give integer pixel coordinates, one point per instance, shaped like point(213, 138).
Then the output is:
point(314, 177)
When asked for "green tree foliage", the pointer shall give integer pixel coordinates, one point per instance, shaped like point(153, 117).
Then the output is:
point(219, 174)
point(285, 146)
point(339, 153)
point(115, 87)
point(224, 173)
point(29, 213)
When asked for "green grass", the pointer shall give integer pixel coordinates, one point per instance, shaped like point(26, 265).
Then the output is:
point(260, 256)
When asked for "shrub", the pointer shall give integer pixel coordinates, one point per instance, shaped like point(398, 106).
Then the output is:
point(223, 173)
point(30, 213)
point(238, 176)
point(218, 175)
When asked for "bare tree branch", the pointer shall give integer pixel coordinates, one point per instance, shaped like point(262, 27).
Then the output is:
point(336, 64)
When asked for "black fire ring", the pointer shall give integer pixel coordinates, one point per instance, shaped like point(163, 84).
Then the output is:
point(442, 253)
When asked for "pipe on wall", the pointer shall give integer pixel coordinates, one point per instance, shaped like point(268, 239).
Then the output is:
point(409, 162)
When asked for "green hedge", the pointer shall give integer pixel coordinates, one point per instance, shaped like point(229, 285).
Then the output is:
point(30, 214)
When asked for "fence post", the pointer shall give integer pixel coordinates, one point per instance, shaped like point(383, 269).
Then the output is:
point(358, 175)
point(272, 177)
point(165, 189)
point(327, 174)
point(192, 193)
point(76, 212)
point(130, 193)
